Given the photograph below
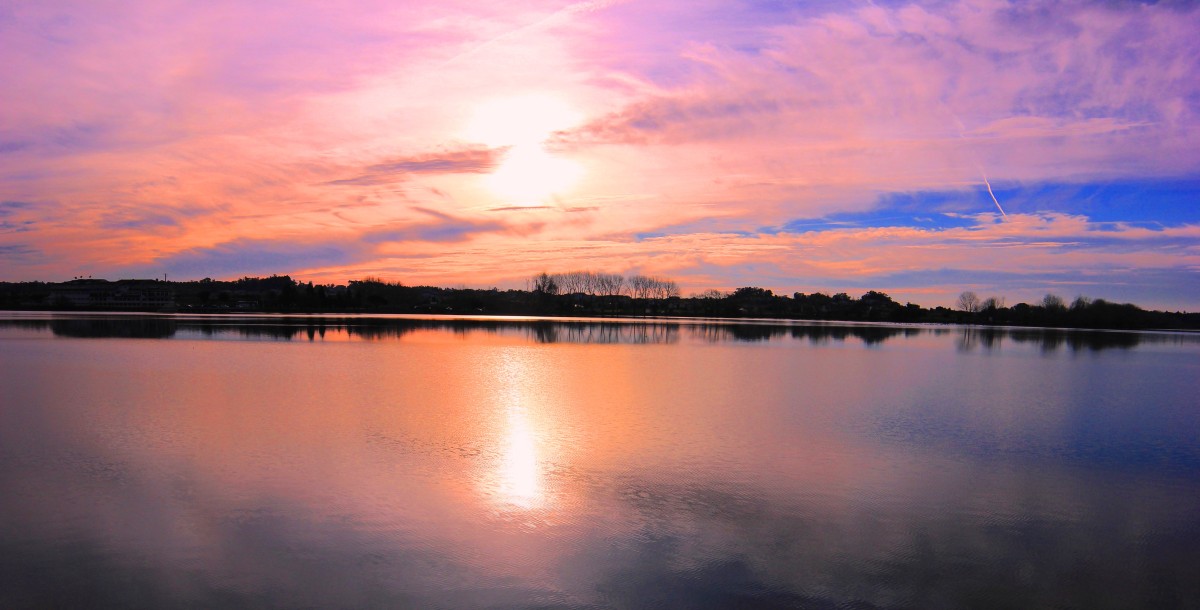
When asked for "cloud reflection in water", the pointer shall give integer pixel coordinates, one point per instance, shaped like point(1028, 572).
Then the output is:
point(493, 468)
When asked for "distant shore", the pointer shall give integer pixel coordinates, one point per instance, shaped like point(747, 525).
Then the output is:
point(282, 294)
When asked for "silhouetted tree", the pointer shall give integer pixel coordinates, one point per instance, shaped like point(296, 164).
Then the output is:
point(545, 283)
point(969, 302)
point(1053, 302)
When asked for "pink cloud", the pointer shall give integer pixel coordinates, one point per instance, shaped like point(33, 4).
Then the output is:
point(907, 99)
point(138, 132)
point(831, 260)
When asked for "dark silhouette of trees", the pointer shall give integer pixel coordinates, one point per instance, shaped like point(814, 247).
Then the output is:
point(544, 283)
point(710, 294)
point(584, 293)
point(591, 283)
point(968, 302)
point(642, 287)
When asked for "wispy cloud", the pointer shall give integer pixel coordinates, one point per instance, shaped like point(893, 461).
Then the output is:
point(873, 94)
point(250, 256)
point(146, 217)
point(907, 260)
point(301, 252)
point(17, 252)
point(14, 217)
point(444, 228)
point(16, 227)
point(719, 141)
point(8, 208)
point(467, 161)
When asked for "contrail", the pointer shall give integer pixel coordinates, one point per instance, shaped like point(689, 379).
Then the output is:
point(994, 200)
point(963, 136)
point(988, 184)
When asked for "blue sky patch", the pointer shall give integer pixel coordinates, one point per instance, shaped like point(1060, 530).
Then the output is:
point(882, 217)
point(1152, 204)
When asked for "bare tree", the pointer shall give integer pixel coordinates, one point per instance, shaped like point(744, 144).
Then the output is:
point(1053, 302)
point(711, 293)
point(568, 283)
point(609, 284)
point(639, 286)
point(589, 282)
point(992, 303)
point(669, 289)
point(604, 284)
point(545, 283)
point(969, 302)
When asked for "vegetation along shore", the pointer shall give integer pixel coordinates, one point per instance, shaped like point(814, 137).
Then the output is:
point(581, 293)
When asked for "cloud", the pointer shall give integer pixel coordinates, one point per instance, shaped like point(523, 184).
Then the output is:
point(676, 120)
point(17, 252)
point(1026, 252)
point(16, 227)
point(137, 219)
point(466, 161)
point(11, 217)
point(521, 208)
point(446, 229)
point(8, 208)
point(879, 93)
point(744, 127)
point(244, 256)
point(255, 257)
point(1023, 255)
point(9, 146)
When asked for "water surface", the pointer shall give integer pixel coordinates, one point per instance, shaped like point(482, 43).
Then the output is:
point(153, 461)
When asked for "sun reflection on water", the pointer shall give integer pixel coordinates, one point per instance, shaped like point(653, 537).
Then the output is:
point(519, 475)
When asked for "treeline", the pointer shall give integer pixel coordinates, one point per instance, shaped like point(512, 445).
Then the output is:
point(591, 283)
point(875, 306)
point(582, 293)
point(1053, 311)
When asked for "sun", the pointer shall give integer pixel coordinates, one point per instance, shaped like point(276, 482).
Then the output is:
point(528, 174)
point(520, 121)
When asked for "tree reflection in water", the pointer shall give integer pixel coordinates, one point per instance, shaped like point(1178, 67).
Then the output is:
point(581, 331)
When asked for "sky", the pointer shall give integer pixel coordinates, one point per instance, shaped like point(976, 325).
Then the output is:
point(922, 149)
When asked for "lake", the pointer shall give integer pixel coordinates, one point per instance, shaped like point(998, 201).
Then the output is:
point(167, 461)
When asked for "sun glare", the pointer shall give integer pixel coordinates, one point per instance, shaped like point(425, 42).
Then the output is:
point(520, 121)
point(528, 173)
point(518, 478)
point(520, 474)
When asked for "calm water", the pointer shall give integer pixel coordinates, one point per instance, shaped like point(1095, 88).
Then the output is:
point(172, 461)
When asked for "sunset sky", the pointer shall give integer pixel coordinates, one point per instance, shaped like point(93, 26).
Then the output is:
point(918, 148)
